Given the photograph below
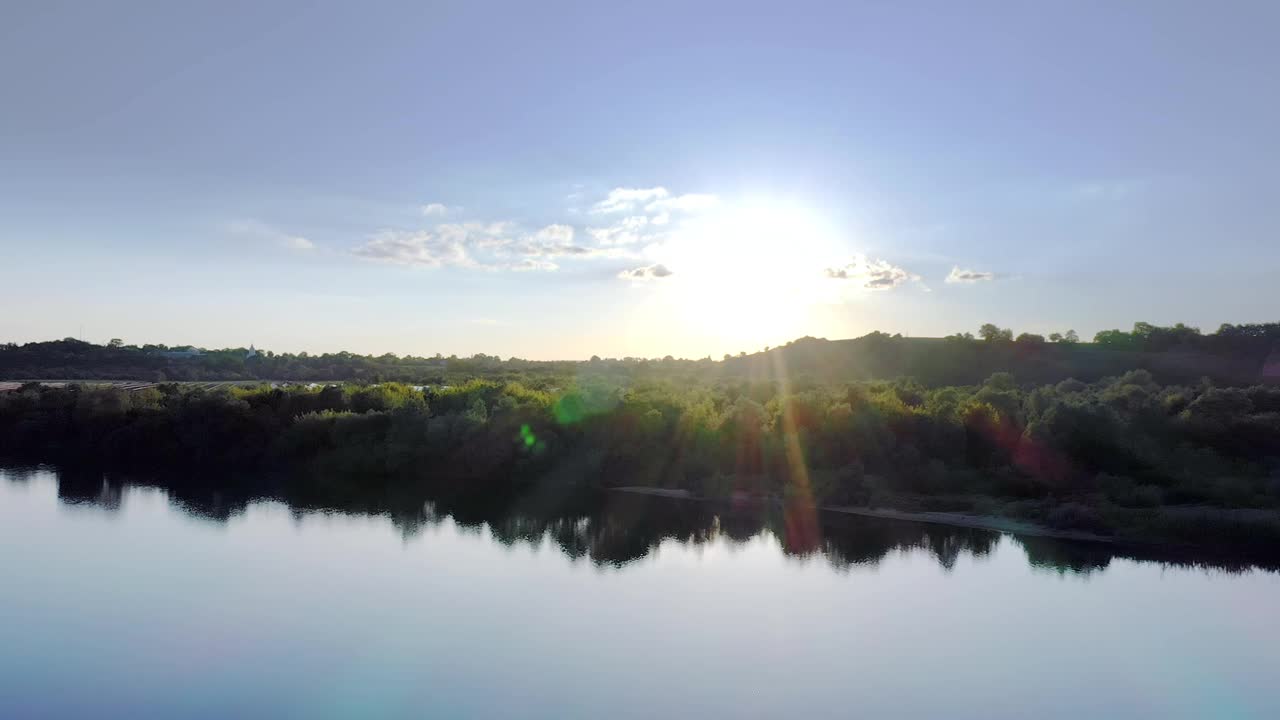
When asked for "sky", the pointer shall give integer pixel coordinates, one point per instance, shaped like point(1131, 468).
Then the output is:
point(555, 180)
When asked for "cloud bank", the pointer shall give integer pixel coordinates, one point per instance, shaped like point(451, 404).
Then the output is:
point(631, 223)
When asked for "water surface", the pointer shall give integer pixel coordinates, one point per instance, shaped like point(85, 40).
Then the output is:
point(126, 601)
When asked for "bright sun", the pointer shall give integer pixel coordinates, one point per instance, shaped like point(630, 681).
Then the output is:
point(749, 271)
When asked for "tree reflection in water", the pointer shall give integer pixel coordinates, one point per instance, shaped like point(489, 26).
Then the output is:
point(614, 529)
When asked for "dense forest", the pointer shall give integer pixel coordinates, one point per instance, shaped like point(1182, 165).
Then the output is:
point(1232, 355)
point(1125, 455)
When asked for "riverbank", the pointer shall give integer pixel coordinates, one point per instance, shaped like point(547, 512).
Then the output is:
point(952, 519)
point(1059, 462)
point(1138, 534)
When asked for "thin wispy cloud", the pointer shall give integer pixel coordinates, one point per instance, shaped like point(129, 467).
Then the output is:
point(550, 241)
point(525, 265)
point(557, 233)
point(480, 246)
point(257, 230)
point(656, 200)
point(424, 248)
point(630, 230)
point(691, 202)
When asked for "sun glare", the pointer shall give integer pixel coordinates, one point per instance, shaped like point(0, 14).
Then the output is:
point(749, 271)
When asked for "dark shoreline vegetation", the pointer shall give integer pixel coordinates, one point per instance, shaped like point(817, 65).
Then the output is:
point(1124, 457)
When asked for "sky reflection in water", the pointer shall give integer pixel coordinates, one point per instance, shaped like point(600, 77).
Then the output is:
point(123, 600)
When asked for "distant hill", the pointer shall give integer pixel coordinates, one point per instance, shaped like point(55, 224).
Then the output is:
point(960, 361)
point(1233, 355)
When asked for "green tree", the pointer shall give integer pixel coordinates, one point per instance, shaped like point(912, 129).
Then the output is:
point(991, 333)
point(1118, 339)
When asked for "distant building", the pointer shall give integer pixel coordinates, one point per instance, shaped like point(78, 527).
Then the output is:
point(252, 353)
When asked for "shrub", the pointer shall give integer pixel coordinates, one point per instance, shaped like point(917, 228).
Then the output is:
point(1077, 516)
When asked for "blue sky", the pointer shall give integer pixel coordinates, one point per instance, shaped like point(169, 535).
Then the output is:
point(556, 180)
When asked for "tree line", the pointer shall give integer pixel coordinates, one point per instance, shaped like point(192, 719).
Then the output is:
point(1125, 455)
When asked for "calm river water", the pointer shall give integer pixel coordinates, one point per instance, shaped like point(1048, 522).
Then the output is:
point(129, 601)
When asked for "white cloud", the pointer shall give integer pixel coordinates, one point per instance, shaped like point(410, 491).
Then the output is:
point(257, 230)
point(958, 275)
point(691, 202)
point(628, 199)
point(648, 272)
point(627, 231)
point(649, 218)
point(436, 210)
point(872, 274)
point(656, 200)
